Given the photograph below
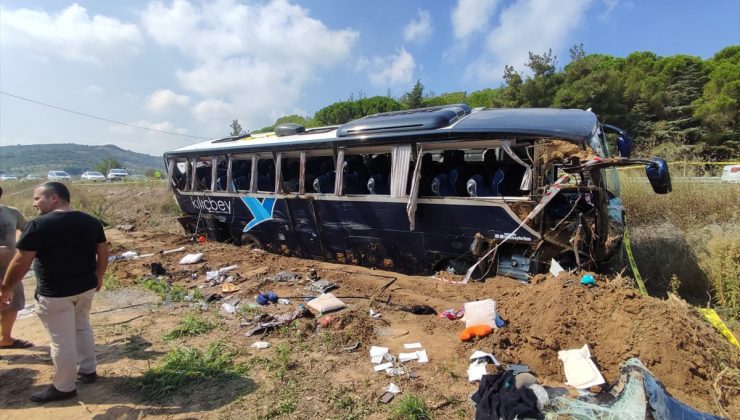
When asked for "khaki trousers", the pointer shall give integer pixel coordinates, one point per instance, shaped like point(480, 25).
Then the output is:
point(67, 320)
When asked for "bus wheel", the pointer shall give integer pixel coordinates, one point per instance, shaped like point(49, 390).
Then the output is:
point(459, 266)
point(250, 241)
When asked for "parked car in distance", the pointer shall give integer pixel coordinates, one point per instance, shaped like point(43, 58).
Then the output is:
point(731, 173)
point(117, 174)
point(137, 178)
point(32, 177)
point(92, 176)
point(58, 176)
point(8, 177)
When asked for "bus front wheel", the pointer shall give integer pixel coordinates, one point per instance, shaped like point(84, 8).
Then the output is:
point(250, 241)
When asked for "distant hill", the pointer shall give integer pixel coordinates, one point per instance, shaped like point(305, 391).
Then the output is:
point(73, 158)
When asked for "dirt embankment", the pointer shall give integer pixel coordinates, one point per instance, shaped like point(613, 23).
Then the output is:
point(548, 315)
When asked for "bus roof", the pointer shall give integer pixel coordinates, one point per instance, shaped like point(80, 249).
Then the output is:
point(448, 122)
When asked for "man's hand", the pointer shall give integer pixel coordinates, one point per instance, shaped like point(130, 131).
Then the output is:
point(5, 298)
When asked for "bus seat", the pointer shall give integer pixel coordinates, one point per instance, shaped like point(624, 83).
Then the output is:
point(476, 187)
point(498, 178)
point(441, 186)
point(266, 182)
point(378, 184)
point(324, 184)
point(241, 182)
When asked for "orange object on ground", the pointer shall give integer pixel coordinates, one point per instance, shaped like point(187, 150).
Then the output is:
point(475, 331)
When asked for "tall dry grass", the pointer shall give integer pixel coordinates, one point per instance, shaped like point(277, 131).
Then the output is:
point(146, 205)
point(688, 240)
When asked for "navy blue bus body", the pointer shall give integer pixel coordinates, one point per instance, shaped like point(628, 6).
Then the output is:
point(354, 230)
point(528, 186)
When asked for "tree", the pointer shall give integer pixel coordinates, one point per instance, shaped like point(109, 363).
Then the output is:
point(542, 65)
point(342, 112)
point(577, 52)
point(414, 98)
point(107, 164)
point(236, 128)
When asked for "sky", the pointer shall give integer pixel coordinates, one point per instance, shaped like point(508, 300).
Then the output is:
point(184, 69)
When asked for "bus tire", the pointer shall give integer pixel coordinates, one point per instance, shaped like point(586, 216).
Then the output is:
point(250, 241)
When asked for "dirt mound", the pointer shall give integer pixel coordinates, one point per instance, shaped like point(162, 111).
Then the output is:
point(545, 316)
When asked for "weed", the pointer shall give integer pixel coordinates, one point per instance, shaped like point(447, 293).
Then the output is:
point(342, 398)
point(410, 407)
point(186, 366)
point(168, 292)
point(191, 326)
point(112, 282)
point(250, 311)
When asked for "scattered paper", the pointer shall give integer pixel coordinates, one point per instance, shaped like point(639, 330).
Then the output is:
point(129, 255)
point(555, 268)
point(228, 308)
point(422, 355)
point(412, 346)
point(393, 388)
point(580, 371)
point(476, 370)
point(377, 353)
point(383, 366)
point(260, 345)
point(374, 314)
point(405, 357)
point(489, 357)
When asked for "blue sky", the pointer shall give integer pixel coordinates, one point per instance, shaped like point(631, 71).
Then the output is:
point(190, 67)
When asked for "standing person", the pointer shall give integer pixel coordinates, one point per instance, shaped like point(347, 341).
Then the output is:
point(12, 224)
point(71, 255)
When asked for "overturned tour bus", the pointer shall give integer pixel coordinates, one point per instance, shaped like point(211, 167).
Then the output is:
point(503, 191)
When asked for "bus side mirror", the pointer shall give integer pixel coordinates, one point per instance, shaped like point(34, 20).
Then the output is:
point(658, 175)
point(624, 145)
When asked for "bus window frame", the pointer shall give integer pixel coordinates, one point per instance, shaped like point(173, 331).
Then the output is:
point(324, 152)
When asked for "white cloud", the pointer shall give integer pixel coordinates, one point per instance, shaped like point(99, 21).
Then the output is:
point(390, 70)
point(609, 6)
point(71, 34)
point(210, 109)
point(527, 25)
point(418, 30)
point(254, 58)
point(471, 16)
point(162, 100)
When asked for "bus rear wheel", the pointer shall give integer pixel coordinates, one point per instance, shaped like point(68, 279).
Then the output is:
point(250, 241)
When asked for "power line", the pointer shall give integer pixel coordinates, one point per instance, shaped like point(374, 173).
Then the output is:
point(101, 118)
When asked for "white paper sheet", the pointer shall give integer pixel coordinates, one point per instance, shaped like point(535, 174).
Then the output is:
point(479, 354)
point(384, 366)
point(377, 353)
point(412, 346)
point(405, 357)
point(476, 370)
point(422, 354)
point(580, 371)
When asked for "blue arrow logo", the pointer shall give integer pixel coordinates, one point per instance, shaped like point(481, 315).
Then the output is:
point(261, 210)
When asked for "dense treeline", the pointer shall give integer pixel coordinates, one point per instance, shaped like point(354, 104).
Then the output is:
point(681, 106)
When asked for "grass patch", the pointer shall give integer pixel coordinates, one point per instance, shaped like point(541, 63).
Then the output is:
point(410, 407)
point(168, 292)
point(112, 282)
point(185, 366)
point(193, 325)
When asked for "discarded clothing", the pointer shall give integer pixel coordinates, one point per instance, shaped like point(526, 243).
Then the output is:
point(633, 395)
point(268, 322)
point(157, 269)
point(321, 286)
point(452, 314)
point(286, 276)
point(497, 397)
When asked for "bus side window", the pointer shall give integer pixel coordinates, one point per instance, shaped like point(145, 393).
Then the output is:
point(290, 171)
point(320, 175)
point(266, 175)
point(355, 175)
point(379, 174)
point(241, 173)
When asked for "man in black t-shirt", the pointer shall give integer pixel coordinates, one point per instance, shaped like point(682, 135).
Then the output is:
point(70, 255)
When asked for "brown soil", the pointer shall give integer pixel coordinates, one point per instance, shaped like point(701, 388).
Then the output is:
point(324, 381)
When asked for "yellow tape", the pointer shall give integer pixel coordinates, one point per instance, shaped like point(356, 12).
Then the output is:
point(717, 323)
point(635, 272)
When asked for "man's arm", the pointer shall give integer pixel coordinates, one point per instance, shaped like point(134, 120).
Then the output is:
point(102, 251)
point(17, 268)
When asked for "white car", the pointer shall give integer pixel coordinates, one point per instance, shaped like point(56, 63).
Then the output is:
point(92, 176)
point(8, 177)
point(117, 174)
point(58, 176)
point(731, 173)
point(32, 177)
